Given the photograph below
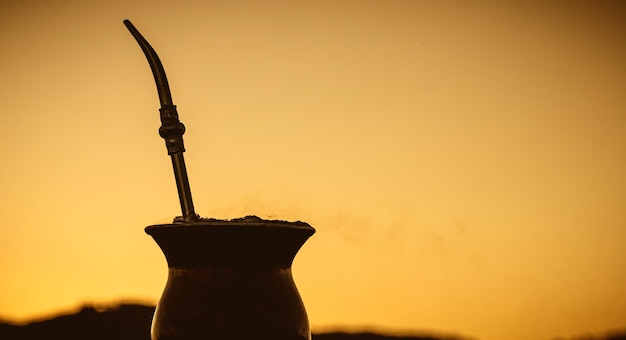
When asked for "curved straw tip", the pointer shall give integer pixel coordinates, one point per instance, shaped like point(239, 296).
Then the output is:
point(129, 25)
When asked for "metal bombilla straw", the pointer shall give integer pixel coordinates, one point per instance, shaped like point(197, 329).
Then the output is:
point(171, 130)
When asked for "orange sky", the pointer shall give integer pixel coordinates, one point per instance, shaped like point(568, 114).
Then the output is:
point(464, 164)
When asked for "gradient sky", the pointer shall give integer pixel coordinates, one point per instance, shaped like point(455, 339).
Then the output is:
point(464, 163)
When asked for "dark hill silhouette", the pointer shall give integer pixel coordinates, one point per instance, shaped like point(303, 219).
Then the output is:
point(125, 321)
point(373, 336)
point(132, 321)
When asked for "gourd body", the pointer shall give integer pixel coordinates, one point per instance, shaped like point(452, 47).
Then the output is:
point(230, 280)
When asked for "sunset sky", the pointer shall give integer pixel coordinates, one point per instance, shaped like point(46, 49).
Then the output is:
point(464, 163)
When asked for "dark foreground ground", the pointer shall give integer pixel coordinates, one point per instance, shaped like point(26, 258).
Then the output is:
point(132, 322)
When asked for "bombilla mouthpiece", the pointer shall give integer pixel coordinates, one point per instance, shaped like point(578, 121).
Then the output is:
point(171, 129)
point(165, 96)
